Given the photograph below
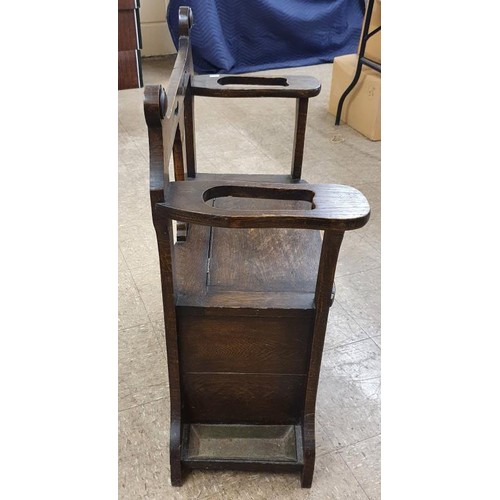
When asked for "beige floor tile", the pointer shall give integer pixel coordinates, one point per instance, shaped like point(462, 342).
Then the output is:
point(359, 360)
point(341, 328)
point(138, 245)
point(363, 459)
point(131, 310)
point(129, 153)
point(318, 171)
point(372, 192)
point(332, 480)
point(226, 143)
point(140, 139)
point(159, 327)
point(143, 429)
point(132, 212)
point(143, 457)
point(122, 264)
point(148, 283)
point(356, 255)
point(325, 442)
point(133, 193)
point(131, 199)
point(363, 171)
point(359, 295)
point(144, 476)
point(371, 233)
point(134, 173)
point(349, 410)
point(133, 118)
point(142, 367)
point(157, 70)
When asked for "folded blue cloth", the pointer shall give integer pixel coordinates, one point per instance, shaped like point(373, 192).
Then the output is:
point(237, 36)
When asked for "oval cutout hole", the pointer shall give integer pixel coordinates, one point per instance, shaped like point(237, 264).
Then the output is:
point(262, 193)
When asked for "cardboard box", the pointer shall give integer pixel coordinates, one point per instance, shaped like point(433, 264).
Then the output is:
point(373, 45)
point(361, 109)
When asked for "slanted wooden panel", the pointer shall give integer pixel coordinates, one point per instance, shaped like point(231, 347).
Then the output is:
point(265, 260)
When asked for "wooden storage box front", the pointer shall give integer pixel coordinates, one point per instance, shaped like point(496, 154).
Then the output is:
point(244, 369)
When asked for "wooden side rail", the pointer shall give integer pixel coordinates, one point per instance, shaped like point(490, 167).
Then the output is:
point(333, 207)
point(255, 86)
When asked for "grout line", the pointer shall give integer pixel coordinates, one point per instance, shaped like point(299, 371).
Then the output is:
point(350, 343)
point(155, 332)
point(371, 338)
point(355, 321)
point(336, 346)
point(343, 448)
point(133, 326)
point(358, 272)
point(143, 404)
point(354, 475)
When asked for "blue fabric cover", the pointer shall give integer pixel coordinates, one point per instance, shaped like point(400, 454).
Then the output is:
point(237, 36)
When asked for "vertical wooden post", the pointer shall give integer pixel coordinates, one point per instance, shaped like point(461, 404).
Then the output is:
point(178, 156)
point(324, 285)
point(154, 110)
point(300, 131)
point(164, 233)
point(190, 142)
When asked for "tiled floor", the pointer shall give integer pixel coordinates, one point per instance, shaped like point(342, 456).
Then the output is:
point(252, 135)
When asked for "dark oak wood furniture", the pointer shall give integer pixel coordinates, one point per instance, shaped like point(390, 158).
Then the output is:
point(246, 283)
point(129, 45)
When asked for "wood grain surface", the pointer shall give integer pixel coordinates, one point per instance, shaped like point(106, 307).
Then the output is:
point(294, 86)
point(335, 207)
point(241, 398)
point(245, 344)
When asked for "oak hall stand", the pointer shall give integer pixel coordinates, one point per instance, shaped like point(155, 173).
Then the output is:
point(246, 283)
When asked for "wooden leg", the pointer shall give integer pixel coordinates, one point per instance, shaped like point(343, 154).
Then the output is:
point(309, 447)
point(307, 476)
point(175, 453)
point(164, 235)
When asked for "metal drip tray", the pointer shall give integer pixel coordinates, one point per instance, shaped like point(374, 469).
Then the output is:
point(254, 443)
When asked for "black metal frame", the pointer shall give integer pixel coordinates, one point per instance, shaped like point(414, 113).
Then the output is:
point(365, 36)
